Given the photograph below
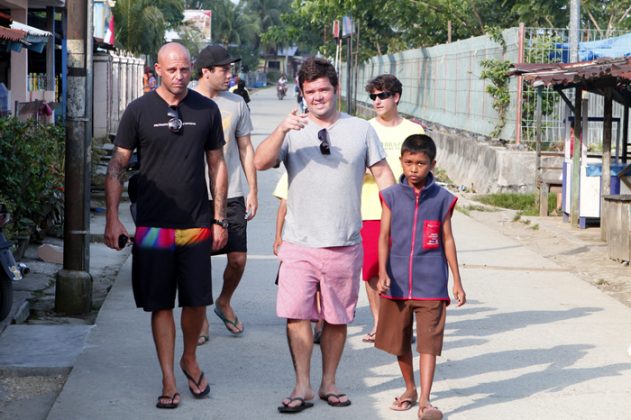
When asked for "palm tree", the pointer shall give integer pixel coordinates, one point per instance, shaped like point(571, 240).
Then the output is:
point(268, 13)
point(141, 24)
point(232, 25)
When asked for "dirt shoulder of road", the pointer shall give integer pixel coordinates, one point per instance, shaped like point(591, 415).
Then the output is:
point(580, 251)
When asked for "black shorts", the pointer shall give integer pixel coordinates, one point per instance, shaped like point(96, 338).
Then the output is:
point(237, 226)
point(166, 261)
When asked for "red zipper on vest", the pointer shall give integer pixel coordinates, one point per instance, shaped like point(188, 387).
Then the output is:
point(417, 199)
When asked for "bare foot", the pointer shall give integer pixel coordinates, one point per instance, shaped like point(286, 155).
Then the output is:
point(405, 401)
point(333, 397)
point(196, 380)
point(290, 401)
point(229, 318)
point(429, 412)
point(168, 400)
point(169, 393)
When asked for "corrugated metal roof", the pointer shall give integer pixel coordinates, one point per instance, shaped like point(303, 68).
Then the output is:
point(11, 34)
point(598, 76)
point(616, 71)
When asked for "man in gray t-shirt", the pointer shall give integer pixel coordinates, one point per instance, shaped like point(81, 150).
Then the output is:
point(214, 69)
point(326, 154)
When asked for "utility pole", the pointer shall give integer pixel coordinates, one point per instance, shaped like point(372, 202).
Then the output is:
point(575, 27)
point(73, 292)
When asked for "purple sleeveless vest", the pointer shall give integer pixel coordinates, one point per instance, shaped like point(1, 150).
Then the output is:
point(416, 264)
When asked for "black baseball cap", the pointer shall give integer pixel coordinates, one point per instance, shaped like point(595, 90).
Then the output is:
point(214, 55)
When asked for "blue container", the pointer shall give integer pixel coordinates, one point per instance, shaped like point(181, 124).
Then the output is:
point(596, 169)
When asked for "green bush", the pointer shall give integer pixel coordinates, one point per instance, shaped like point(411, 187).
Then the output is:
point(526, 203)
point(272, 77)
point(31, 173)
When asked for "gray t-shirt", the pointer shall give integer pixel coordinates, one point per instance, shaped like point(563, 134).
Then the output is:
point(236, 121)
point(323, 203)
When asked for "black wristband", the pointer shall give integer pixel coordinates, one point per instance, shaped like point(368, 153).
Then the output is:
point(223, 223)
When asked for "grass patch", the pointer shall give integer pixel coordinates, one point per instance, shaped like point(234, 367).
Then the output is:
point(440, 175)
point(475, 207)
point(467, 209)
point(464, 210)
point(525, 203)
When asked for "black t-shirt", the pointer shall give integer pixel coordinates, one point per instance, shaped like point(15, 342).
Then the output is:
point(171, 181)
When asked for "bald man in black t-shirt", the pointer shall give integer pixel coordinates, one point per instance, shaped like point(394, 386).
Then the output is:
point(174, 130)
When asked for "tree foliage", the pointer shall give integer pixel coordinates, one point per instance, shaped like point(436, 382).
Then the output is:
point(394, 25)
point(254, 26)
point(141, 24)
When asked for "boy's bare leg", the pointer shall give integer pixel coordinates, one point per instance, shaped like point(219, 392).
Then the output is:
point(373, 300)
point(300, 340)
point(191, 321)
point(332, 346)
point(427, 364)
point(163, 329)
point(406, 365)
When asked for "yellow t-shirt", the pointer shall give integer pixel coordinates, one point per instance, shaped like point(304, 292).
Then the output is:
point(391, 138)
point(280, 191)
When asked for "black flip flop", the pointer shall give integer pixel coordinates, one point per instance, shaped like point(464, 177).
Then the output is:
point(285, 408)
point(333, 403)
point(169, 405)
point(202, 394)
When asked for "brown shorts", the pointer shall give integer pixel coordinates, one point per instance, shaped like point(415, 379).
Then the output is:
point(394, 331)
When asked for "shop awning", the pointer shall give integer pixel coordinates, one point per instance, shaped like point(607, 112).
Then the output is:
point(30, 30)
point(10, 34)
point(34, 39)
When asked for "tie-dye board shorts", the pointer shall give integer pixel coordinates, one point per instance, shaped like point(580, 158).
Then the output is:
point(166, 261)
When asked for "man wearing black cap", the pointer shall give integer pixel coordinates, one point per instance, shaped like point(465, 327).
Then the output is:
point(214, 71)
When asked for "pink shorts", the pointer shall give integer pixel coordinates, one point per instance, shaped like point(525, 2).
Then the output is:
point(370, 243)
point(333, 271)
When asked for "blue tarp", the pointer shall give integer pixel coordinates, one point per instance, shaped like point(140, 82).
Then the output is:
point(616, 47)
point(596, 169)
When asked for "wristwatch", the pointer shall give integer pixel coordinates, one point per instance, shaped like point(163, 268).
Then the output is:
point(223, 223)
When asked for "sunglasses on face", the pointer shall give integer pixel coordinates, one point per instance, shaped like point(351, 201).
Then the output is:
point(382, 95)
point(175, 123)
point(325, 149)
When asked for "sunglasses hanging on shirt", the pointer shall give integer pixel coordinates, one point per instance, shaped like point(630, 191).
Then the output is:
point(175, 123)
point(325, 149)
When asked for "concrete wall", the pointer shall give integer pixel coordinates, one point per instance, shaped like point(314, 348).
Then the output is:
point(442, 83)
point(474, 162)
point(482, 167)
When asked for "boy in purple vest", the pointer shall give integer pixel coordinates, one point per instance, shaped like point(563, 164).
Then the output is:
point(416, 245)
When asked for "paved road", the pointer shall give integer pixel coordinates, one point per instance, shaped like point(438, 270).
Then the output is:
point(534, 341)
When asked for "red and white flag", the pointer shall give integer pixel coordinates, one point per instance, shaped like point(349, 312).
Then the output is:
point(109, 34)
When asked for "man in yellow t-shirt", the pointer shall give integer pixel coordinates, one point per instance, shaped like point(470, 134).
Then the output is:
point(385, 92)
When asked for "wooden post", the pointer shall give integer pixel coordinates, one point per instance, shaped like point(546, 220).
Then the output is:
point(605, 185)
point(520, 87)
point(576, 157)
point(543, 192)
point(449, 31)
